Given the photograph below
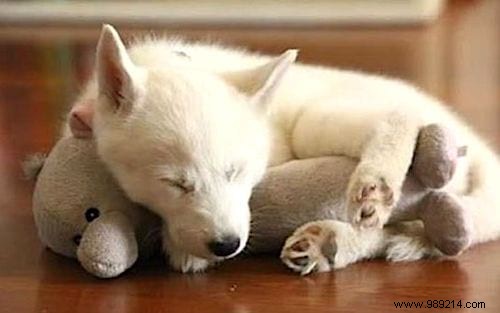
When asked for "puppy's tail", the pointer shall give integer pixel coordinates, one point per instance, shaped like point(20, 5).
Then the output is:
point(482, 200)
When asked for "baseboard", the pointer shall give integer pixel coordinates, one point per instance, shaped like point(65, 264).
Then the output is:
point(239, 12)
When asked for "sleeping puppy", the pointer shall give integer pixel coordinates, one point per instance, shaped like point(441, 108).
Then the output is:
point(189, 129)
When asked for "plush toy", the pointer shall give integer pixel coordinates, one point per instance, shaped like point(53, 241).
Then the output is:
point(80, 212)
point(302, 191)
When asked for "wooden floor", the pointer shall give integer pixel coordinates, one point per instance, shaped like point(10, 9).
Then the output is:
point(41, 69)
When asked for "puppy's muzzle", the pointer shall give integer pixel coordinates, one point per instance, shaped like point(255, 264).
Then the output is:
point(225, 246)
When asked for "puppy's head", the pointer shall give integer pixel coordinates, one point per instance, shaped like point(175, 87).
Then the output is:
point(189, 144)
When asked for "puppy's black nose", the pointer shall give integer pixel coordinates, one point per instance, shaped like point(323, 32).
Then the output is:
point(224, 247)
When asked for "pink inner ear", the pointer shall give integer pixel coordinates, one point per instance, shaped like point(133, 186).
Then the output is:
point(80, 121)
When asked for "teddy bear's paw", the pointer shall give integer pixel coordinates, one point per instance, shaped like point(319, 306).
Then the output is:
point(187, 263)
point(370, 200)
point(446, 225)
point(311, 248)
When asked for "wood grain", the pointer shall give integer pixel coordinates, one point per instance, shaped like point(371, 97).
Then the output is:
point(41, 70)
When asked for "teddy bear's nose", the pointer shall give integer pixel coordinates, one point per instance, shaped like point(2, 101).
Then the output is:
point(225, 247)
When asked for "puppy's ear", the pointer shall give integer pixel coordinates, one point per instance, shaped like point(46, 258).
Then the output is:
point(80, 119)
point(261, 83)
point(118, 79)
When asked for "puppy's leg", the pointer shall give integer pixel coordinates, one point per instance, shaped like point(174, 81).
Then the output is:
point(382, 138)
point(408, 241)
point(180, 260)
point(327, 245)
point(375, 186)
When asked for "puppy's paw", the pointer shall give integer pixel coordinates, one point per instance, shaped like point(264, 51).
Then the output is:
point(187, 263)
point(312, 248)
point(370, 199)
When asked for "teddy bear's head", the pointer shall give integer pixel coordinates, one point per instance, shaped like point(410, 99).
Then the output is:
point(81, 212)
point(72, 190)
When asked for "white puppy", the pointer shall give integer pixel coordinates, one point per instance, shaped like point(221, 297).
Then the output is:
point(189, 129)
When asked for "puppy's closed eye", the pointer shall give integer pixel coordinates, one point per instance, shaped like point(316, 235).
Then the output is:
point(233, 173)
point(179, 184)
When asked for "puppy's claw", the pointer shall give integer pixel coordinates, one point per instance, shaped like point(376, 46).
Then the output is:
point(373, 201)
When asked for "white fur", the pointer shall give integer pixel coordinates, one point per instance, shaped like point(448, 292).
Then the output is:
point(200, 120)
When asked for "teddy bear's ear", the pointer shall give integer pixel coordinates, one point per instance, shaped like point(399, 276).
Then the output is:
point(33, 165)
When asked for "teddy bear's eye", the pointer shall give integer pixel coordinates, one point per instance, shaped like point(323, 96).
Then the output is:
point(91, 214)
point(77, 239)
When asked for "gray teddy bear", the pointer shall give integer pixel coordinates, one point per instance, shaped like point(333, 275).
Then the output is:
point(81, 212)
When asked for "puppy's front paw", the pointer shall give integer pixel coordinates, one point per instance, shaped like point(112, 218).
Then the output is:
point(187, 263)
point(312, 248)
point(369, 199)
